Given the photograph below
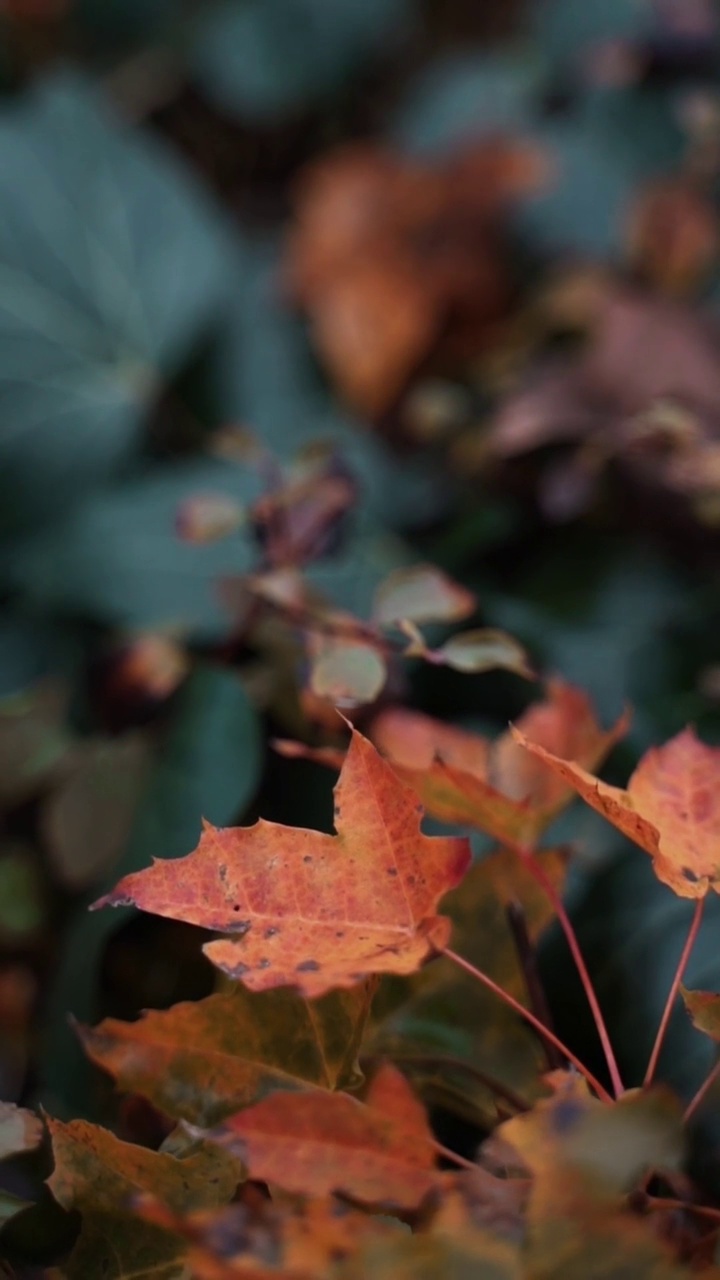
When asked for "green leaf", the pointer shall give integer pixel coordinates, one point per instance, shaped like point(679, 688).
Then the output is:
point(263, 58)
point(34, 743)
point(22, 897)
point(94, 312)
point(116, 1247)
point(119, 557)
point(86, 820)
point(94, 1170)
point(208, 765)
point(203, 1061)
point(100, 1175)
point(457, 1031)
point(29, 650)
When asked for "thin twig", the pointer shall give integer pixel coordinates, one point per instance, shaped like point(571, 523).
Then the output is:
point(672, 995)
point(519, 1008)
point(536, 870)
point(702, 1091)
point(453, 1156)
point(704, 1210)
point(528, 963)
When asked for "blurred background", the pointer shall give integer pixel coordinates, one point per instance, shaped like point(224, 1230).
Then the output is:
point(452, 264)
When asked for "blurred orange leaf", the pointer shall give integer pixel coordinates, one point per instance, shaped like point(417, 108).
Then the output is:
point(311, 910)
point(387, 253)
point(462, 777)
point(671, 807)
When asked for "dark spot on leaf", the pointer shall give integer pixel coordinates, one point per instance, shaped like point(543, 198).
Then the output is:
point(271, 932)
point(691, 875)
point(263, 964)
point(307, 858)
point(308, 966)
point(340, 933)
point(411, 880)
point(239, 927)
point(566, 1115)
point(392, 871)
point(238, 971)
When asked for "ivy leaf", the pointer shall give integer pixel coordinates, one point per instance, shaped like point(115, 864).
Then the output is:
point(265, 58)
point(202, 1061)
point(380, 1151)
point(670, 808)
point(94, 314)
point(117, 558)
point(313, 910)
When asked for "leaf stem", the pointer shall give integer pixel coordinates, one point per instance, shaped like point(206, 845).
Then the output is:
point(702, 1091)
point(520, 1009)
point(527, 857)
point(453, 1156)
point(705, 1210)
point(672, 994)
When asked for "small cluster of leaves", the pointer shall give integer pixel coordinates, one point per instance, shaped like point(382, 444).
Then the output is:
point(294, 1099)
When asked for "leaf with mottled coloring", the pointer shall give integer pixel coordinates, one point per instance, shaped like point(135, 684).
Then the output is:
point(379, 1151)
point(671, 808)
point(495, 786)
point(20, 1130)
point(311, 910)
point(584, 1156)
point(119, 1247)
point(610, 1145)
point(202, 1061)
point(704, 1009)
point(421, 593)
point(96, 1171)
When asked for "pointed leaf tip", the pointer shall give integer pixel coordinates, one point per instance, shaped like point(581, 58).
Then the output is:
point(311, 910)
point(671, 808)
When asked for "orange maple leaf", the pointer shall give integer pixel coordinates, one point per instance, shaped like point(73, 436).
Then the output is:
point(671, 808)
point(379, 1151)
point(495, 786)
point(311, 910)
